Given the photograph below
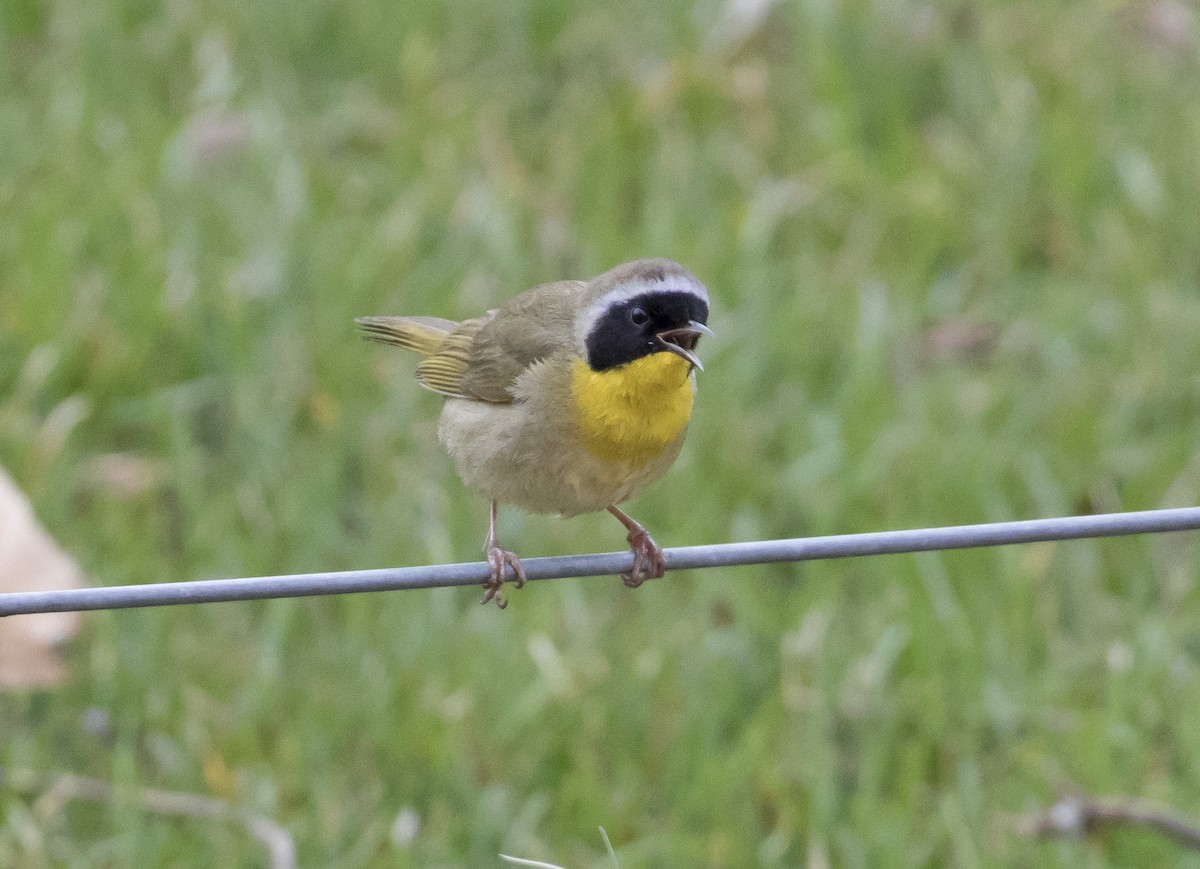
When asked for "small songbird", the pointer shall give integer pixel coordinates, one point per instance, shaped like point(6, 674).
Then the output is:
point(569, 399)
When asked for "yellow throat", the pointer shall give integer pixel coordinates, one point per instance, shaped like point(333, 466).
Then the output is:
point(631, 413)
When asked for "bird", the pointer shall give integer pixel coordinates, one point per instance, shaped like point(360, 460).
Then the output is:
point(570, 398)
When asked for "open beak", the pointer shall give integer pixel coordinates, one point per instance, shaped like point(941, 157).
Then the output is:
point(682, 341)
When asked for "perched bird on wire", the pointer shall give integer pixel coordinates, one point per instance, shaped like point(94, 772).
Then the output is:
point(568, 399)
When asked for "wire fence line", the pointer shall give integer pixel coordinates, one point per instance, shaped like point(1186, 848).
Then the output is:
point(605, 563)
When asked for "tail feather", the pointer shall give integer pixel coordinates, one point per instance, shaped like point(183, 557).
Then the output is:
point(424, 335)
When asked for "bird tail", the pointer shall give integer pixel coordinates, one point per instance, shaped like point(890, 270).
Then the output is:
point(424, 335)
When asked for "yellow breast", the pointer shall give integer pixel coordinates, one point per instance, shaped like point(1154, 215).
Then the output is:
point(631, 413)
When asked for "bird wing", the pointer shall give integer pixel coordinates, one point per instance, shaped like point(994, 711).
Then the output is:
point(484, 356)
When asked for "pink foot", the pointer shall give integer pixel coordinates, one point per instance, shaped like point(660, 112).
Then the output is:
point(499, 559)
point(648, 559)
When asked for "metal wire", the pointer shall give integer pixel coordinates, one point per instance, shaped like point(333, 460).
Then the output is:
point(604, 564)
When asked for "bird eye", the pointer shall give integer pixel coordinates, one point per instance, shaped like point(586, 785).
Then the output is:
point(638, 316)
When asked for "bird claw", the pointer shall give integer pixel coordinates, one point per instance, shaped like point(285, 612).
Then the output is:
point(648, 559)
point(499, 559)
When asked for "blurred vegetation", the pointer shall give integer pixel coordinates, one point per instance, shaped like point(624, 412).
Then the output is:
point(954, 249)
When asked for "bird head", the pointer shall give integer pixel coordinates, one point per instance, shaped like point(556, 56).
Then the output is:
point(639, 308)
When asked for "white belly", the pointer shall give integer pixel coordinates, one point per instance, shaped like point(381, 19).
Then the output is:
point(512, 453)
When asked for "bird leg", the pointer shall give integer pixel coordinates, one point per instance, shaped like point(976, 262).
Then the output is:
point(498, 559)
point(648, 559)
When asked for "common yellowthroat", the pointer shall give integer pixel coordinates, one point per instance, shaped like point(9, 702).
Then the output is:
point(569, 399)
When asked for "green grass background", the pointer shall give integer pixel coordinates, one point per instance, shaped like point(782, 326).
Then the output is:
point(954, 250)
